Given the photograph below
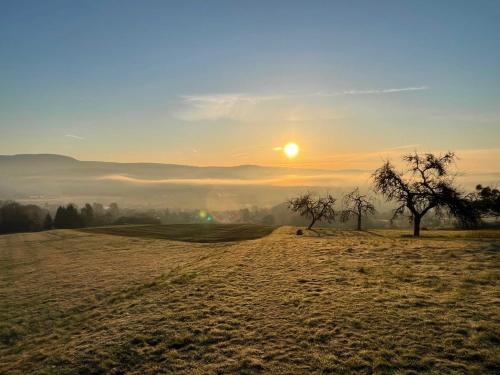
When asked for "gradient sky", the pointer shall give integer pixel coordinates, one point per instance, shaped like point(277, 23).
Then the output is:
point(225, 82)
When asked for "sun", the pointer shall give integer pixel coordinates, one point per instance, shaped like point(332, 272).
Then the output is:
point(291, 150)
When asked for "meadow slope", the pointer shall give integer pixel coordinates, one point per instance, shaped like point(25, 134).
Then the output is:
point(346, 302)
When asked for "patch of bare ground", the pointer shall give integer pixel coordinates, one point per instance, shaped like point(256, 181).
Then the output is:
point(344, 302)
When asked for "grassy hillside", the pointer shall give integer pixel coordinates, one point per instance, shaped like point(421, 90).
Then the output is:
point(204, 233)
point(87, 303)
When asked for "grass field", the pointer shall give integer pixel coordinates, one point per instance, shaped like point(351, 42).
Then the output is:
point(203, 233)
point(346, 302)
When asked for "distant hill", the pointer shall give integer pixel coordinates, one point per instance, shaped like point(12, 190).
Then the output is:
point(49, 177)
point(23, 164)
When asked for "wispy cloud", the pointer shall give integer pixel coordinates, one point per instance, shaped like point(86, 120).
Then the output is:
point(404, 147)
point(218, 106)
point(229, 98)
point(245, 107)
point(74, 137)
point(374, 91)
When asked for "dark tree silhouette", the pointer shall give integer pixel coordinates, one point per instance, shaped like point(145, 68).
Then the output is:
point(15, 217)
point(316, 208)
point(60, 218)
point(73, 218)
point(68, 217)
point(87, 215)
point(486, 200)
point(356, 205)
point(48, 224)
point(426, 184)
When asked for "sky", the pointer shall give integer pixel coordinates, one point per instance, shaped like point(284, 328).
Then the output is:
point(230, 82)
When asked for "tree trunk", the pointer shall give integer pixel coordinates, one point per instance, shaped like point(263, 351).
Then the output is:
point(416, 225)
point(359, 221)
point(312, 223)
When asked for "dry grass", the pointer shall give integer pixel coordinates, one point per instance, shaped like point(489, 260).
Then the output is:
point(346, 302)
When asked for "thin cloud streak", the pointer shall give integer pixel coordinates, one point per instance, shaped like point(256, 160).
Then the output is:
point(374, 91)
point(243, 106)
point(404, 147)
point(219, 106)
point(229, 98)
point(74, 137)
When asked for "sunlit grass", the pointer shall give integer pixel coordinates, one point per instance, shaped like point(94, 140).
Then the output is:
point(345, 302)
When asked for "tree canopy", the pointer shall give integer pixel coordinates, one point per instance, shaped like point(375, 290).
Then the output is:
point(16, 217)
point(316, 208)
point(425, 184)
point(68, 217)
point(356, 205)
point(486, 201)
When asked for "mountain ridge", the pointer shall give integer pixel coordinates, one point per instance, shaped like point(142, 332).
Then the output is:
point(59, 157)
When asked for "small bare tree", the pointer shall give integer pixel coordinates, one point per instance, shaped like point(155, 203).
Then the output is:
point(316, 208)
point(426, 184)
point(356, 205)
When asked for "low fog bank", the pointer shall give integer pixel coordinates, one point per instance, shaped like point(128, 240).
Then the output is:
point(55, 179)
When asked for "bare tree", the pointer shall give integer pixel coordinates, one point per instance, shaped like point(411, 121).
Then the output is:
point(356, 205)
point(316, 208)
point(426, 184)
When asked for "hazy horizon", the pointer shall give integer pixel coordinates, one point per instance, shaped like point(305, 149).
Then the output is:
point(57, 179)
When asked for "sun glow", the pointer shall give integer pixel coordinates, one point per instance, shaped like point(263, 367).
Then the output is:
point(291, 150)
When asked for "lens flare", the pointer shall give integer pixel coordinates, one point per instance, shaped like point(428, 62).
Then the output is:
point(291, 150)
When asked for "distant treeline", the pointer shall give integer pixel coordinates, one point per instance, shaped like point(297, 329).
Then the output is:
point(16, 217)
